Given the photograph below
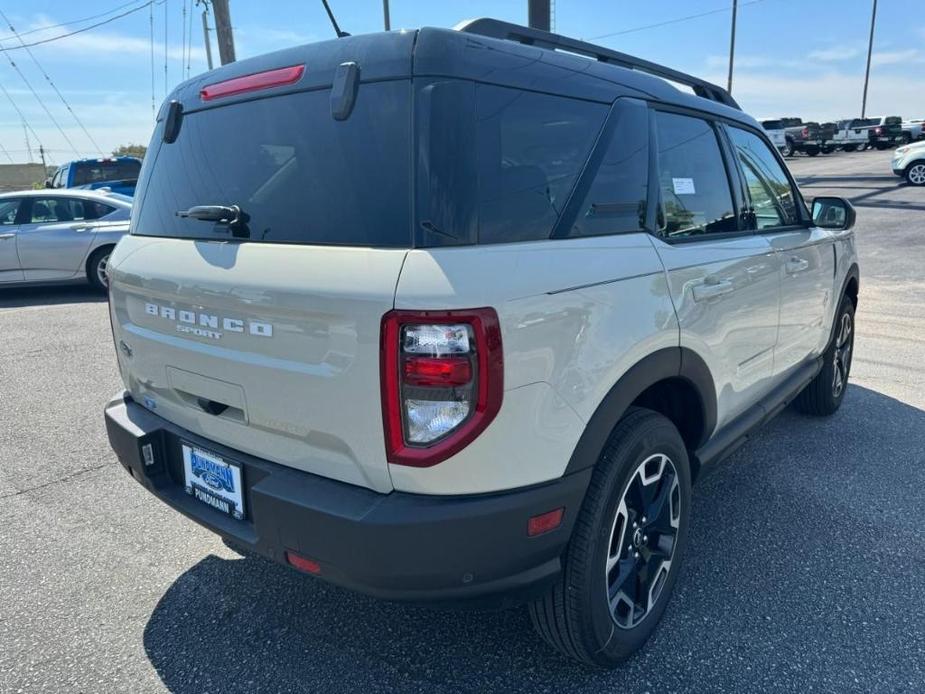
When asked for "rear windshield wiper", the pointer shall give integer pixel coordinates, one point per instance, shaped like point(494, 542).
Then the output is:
point(232, 215)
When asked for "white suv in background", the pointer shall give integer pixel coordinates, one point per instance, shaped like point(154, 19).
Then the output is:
point(909, 162)
point(460, 315)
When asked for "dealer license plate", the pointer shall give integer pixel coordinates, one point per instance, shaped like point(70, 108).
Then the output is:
point(213, 480)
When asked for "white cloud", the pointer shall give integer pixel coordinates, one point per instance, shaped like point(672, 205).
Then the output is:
point(909, 55)
point(829, 96)
point(833, 54)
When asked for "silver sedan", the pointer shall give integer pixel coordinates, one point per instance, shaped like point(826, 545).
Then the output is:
point(59, 235)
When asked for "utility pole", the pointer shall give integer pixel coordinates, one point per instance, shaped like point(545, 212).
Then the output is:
point(223, 31)
point(42, 154)
point(538, 14)
point(385, 15)
point(205, 35)
point(732, 45)
point(870, 50)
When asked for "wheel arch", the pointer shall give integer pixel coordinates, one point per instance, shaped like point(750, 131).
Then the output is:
point(677, 372)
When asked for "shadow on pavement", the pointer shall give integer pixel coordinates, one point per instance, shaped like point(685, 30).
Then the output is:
point(46, 295)
point(806, 551)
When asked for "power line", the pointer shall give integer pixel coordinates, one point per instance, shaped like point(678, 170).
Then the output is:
point(151, 23)
point(77, 21)
point(6, 153)
point(671, 21)
point(80, 31)
point(53, 86)
point(19, 113)
point(189, 39)
point(166, 23)
point(42, 104)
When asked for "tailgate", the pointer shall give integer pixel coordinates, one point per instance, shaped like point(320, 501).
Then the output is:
point(269, 350)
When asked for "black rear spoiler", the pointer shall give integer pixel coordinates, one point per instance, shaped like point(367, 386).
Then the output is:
point(497, 29)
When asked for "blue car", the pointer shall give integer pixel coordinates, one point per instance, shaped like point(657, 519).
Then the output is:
point(118, 174)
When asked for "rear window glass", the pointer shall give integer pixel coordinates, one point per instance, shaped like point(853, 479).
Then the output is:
point(298, 175)
point(96, 171)
point(772, 124)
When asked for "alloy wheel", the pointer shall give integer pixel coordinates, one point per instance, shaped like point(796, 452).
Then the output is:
point(642, 540)
point(101, 266)
point(843, 346)
point(917, 175)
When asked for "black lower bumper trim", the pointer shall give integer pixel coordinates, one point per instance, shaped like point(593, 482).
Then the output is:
point(396, 546)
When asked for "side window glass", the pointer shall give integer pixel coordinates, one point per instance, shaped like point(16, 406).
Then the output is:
point(48, 210)
point(771, 196)
point(531, 148)
point(8, 210)
point(694, 187)
point(616, 200)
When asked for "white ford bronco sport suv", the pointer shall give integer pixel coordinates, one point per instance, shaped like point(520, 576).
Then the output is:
point(448, 315)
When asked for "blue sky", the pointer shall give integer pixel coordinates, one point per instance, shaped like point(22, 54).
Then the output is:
point(793, 57)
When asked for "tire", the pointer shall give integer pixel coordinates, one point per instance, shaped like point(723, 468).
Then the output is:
point(96, 268)
point(915, 173)
point(812, 151)
point(907, 138)
point(824, 394)
point(577, 616)
point(787, 151)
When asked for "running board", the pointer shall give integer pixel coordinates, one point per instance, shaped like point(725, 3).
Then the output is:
point(724, 442)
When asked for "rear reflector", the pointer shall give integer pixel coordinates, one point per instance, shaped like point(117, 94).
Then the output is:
point(545, 522)
point(252, 83)
point(303, 564)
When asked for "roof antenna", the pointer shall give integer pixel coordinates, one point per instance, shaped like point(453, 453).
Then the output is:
point(340, 34)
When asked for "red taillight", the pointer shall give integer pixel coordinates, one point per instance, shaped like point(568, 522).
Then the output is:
point(252, 83)
point(805, 132)
point(877, 131)
point(303, 564)
point(444, 372)
point(442, 381)
point(545, 522)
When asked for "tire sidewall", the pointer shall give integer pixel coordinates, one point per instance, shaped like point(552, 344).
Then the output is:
point(613, 642)
point(93, 264)
point(828, 366)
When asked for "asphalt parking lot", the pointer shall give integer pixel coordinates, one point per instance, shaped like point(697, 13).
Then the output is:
point(805, 572)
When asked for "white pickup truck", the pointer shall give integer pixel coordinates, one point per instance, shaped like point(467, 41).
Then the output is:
point(775, 131)
point(913, 129)
point(851, 134)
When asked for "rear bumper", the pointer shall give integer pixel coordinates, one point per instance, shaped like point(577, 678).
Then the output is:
point(395, 546)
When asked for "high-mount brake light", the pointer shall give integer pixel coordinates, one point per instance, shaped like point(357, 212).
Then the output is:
point(442, 381)
point(252, 83)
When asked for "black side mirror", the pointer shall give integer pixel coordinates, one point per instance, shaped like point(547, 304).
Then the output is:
point(833, 213)
point(48, 183)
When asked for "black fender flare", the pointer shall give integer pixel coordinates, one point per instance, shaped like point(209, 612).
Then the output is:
point(670, 362)
point(854, 273)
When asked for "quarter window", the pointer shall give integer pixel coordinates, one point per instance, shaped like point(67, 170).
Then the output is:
point(771, 197)
point(616, 200)
point(531, 148)
point(694, 186)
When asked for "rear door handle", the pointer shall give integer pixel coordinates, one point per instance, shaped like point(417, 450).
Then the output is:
point(81, 227)
point(795, 265)
point(711, 288)
point(6, 236)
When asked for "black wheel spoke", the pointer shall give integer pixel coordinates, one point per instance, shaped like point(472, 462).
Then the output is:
point(635, 560)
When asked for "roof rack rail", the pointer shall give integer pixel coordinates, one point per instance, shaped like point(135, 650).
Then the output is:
point(495, 28)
